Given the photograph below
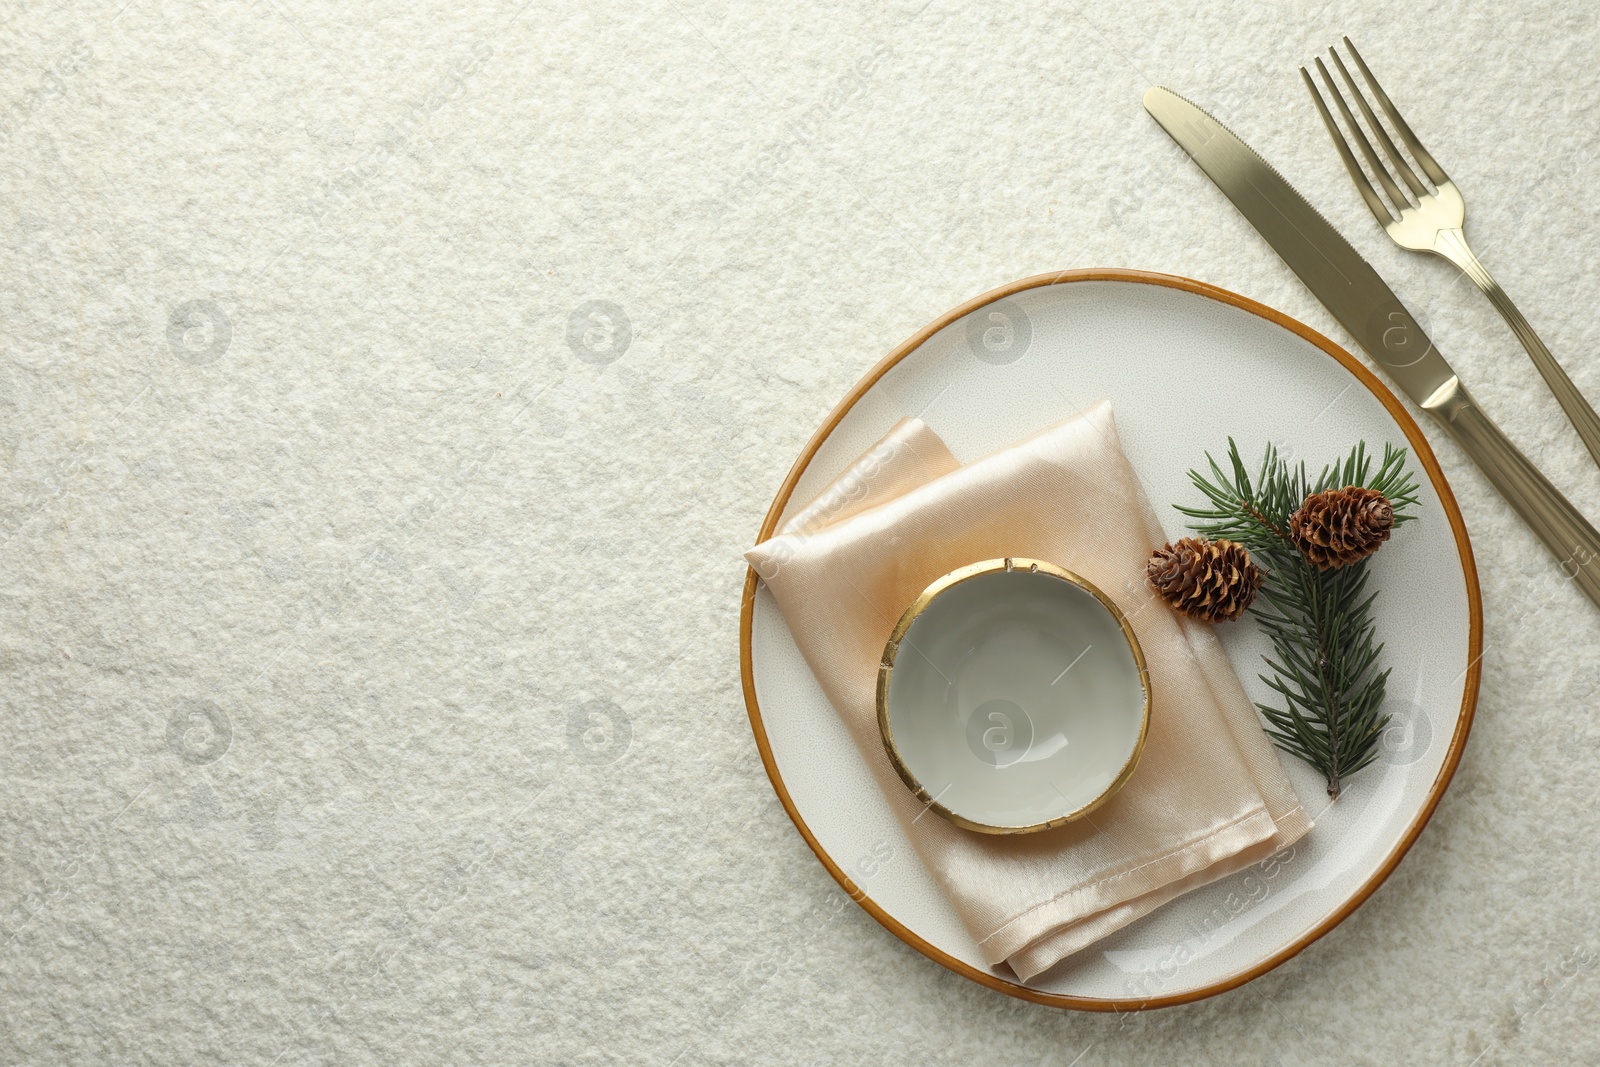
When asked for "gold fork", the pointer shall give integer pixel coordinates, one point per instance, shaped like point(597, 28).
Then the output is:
point(1431, 220)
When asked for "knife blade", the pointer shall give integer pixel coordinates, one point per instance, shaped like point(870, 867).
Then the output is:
point(1366, 307)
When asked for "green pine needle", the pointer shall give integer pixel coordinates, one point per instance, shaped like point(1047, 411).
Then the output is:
point(1325, 655)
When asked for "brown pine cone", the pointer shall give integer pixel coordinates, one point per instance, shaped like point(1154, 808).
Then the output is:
point(1338, 527)
point(1213, 581)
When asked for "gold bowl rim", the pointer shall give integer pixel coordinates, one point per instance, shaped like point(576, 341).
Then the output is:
point(892, 648)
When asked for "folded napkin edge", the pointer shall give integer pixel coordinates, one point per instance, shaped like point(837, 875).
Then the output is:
point(1233, 836)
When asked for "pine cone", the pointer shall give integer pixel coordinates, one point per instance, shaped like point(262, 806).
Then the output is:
point(1213, 581)
point(1339, 527)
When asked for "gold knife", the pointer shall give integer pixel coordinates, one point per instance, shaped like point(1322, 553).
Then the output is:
point(1368, 308)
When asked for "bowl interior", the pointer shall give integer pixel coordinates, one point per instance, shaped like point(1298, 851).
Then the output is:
point(1016, 700)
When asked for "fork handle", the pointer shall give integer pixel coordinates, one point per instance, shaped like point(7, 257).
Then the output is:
point(1452, 245)
point(1565, 532)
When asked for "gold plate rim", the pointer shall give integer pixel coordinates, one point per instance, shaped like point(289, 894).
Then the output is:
point(1458, 741)
point(1007, 564)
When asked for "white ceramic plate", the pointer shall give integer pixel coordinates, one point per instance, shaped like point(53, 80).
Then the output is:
point(1185, 365)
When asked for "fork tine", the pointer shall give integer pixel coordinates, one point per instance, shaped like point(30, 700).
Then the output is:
point(1429, 167)
point(1407, 175)
point(1396, 195)
point(1368, 193)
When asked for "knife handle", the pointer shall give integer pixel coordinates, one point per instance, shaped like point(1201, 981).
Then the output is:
point(1565, 532)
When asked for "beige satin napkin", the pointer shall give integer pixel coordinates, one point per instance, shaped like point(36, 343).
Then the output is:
point(1209, 796)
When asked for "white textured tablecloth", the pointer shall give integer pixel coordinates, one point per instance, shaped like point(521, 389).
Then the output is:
point(386, 394)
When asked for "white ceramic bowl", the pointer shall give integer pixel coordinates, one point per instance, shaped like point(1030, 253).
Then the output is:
point(1013, 697)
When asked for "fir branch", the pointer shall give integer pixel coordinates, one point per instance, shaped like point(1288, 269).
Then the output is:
point(1324, 646)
